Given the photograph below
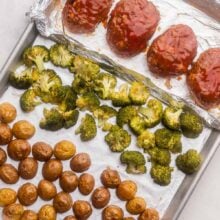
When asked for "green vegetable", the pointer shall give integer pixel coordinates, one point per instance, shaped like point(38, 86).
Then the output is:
point(125, 114)
point(79, 86)
point(189, 162)
point(160, 156)
point(70, 118)
point(135, 162)
point(146, 140)
point(137, 124)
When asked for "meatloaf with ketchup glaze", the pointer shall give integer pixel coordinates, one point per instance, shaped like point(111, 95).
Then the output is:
point(172, 52)
point(82, 16)
point(131, 25)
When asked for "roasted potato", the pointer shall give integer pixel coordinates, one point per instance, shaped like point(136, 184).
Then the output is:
point(110, 178)
point(82, 209)
point(100, 197)
point(27, 168)
point(68, 181)
point(8, 112)
point(136, 205)
point(80, 162)
point(126, 190)
point(46, 190)
point(29, 215)
point(47, 212)
point(8, 174)
point(86, 183)
point(112, 212)
point(42, 151)
point(23, 129)
point(12, 212)
point(5, 134)
point(149, 214)
point(7, 196)
point(64, 150)
point(62, 202)
point(3, 156)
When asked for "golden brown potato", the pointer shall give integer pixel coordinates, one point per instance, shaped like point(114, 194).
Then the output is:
point(29, 215)
point(62, 202)
point(149, 214)
point(3, 156)
point(52, 169)
point(8, 112)
point(112, 212)
point(86, 183)
point(47, 212)
point(68, 181)
point(7, 196)
point(27, 168)
point(42, 151)
point(80, 162)
point(82, 209)
point(8, 174)
point(126, 190)
point(128, 218)
point(46, 190)
point(110, 178)
point(27, 194)
point(136, 205)
point(5, 134)
point(64, 150)
point(70, 217)
point(23, 129)
point(18, 149)
point(12, 212)
point(100, 197)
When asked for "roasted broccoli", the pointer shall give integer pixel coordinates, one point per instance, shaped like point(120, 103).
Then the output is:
point(168, 139)
point(189, 162)
point(80, 86)
point(70, 118)
point(61, 56)
point(103, 113)
point(88, 101)
point(121, 98)
point(159, 156)
point(161, 174)
point(36, 55)
point(53, 120)
point(152, 113)
point(146, 140)
point(135, 162)
point(125, 114)
point(171, 118)
point(137, 124)
point(138, 93)
point(191, 125)
point(29, 100)
point(87, 128)
point(118, 139)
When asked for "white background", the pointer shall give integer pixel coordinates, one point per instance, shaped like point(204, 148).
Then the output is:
point(204, 203)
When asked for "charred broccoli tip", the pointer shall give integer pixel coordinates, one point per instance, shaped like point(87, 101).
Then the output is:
point(125, 114)
point(146, 140)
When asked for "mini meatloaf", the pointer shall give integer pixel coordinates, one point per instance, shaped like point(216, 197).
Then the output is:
point(131, 25)
point(172, 52)
point(82, 16)
point(204, 79)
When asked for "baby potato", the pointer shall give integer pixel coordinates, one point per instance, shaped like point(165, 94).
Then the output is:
point(27, 168)
point(64, 150)
point(82, 209)
point(112, 212)
point(12, 212)
point(100, 197)
point(68, 181)
point(47, 212)
point(149, 214)
point(80, 162)
point(110, 178)
point(29, 215)
point(5, 134)
point(62, 202)
point(128, 218)
point(7, 196)
point(70, 217)
point(86, 183)
point(23, 129)
point(3, 156)
point(46, 190)
point(8, 174)
point(42, 151)
point(126, 190)
point(8, 112)
point(136, 205)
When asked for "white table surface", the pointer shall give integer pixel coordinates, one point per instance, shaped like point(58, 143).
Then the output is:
point(204, 203)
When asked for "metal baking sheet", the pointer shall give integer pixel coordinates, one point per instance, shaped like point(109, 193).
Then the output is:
point(168, 200)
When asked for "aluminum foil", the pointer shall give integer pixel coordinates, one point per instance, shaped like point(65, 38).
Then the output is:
point(47, 15)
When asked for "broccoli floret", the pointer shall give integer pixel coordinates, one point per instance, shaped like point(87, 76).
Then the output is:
point(121, 97)
point(104, 85)
point(135, 162)
point(191, 125)
point(29, 100)
point(107, 126)
point(146, 140)
point(70, 118)
point(125, 114)
point(137, 124)
point(103, 113)
point(171, 118)
point(152, 113)
point(36, 55)
point(52, 121)
point(160, 156)
point(138, 93)
point(61, 56)
point(88, 101)
point(161, 174)
point(168, 139)
point(118, 139)
point(189, 162)
point(79, 86)
point(87, 129)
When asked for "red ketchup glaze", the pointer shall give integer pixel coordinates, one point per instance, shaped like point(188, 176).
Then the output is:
point(82, 16)
point(131, 25)
point(204, 79)
point(172, 52)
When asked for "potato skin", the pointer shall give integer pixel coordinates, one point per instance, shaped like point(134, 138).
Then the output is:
point(126, 190)
point(8, 112)
point(149, 214)
point(29, 215)
point(110, 178)
point(3, 156)
point(82, 209)
point(42, 151)
point(80, 162)
point(68, 181)
point(112, 212)
point(46, 190)
point(27, 168)
point(7, 196)
point(62, 202)
point(86, 183)
point(100, 197)
point(8, 174)
point(70, 217)
point(23, 129)
point(13, 212)
point(5, 134)
point(136, 205)
point(47, 212)
point(64, 150)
